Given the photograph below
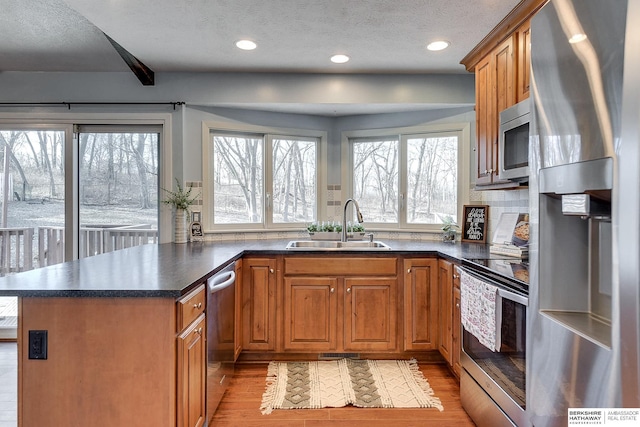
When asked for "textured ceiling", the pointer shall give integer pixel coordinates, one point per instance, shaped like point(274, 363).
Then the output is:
point(383, 36)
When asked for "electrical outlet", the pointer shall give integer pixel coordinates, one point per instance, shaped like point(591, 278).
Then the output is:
point(38, 345)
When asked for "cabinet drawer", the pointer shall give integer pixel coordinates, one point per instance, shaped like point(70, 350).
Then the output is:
point(342, 266)
point(191, 306)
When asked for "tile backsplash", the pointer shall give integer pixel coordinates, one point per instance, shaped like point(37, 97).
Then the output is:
point(500, 201)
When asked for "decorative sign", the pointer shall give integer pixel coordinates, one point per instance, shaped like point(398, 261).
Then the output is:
point(475, 223)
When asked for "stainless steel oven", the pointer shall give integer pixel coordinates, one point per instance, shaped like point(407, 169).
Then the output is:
point(493, 383)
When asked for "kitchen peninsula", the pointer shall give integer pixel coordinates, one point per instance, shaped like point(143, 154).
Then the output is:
point(124, 329)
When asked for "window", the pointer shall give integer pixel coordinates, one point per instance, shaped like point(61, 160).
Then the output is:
point(407, 180)
point(261, 180)
point(117, 190)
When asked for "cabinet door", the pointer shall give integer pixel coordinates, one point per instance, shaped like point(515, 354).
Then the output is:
point(421, 304)
point(504, 62)
point(370, 314)
point(310, 313)
point(524, 61)
point(504, 81)
point(192, 363)
point(237, 332)
point(485, 119)
point(445, 278)
point(259, 303)
point(456, 343)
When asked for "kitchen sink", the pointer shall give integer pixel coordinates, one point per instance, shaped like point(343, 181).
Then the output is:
point(326, 245)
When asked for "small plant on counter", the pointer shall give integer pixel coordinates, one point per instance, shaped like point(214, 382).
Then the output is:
point(449, 228)
point(180, 199)
point(332, 227)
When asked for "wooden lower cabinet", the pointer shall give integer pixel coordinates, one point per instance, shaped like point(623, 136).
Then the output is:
point(259, 304)
point(449, 340)
point(113, 362)
point(353, 309)
point(237, 331)
point(445, 281)
point(421, 304)
point(370, 314)
point(311, 313)
point(192, 365)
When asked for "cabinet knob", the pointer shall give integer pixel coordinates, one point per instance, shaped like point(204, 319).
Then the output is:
point(408, 270)
point(333, 290)
point(455, 276)
point(348, 290)
point(197, 306)
point(486, 171)
point(271, 270)
point(457, 305)
point(198, 331)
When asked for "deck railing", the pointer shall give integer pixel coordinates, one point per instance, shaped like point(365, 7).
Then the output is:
point(23, 249)
point(16, 250)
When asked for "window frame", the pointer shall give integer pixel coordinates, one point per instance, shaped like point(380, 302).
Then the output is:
point(67, 122)
point(269, 134)
point(463, 131)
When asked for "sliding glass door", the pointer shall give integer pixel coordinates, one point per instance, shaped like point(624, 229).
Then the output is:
point(118, 187)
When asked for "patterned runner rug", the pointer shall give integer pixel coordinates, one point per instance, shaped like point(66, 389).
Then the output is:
point(337, 383)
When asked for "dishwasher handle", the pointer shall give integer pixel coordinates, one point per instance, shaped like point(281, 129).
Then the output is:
point(221, 281)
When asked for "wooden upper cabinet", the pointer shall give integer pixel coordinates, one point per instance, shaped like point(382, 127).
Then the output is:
point(504, 69)
point(485, 128)
point(501, 63)
point(523, 35)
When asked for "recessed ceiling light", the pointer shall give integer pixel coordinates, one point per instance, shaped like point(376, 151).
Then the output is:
point(438, 45)
point(339, 59)
point(577, 38)
point(246, 45)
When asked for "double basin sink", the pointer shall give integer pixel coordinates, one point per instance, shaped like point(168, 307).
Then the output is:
point(330, 245)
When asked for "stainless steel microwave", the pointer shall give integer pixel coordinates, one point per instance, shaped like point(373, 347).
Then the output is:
point(513, 140)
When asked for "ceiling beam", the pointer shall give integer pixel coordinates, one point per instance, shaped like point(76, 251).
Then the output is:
point(142, 72)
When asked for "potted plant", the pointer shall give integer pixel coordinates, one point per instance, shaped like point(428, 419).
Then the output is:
point(180, 200)
point(449, 229)
point(331, 230)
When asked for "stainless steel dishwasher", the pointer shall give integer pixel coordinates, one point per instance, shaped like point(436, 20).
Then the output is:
point(220, 335)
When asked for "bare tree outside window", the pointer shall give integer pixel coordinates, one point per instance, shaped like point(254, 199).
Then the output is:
point(294, 180)
point(238, 179)
point(432, 179)
point(375, 179)
point(429, 185)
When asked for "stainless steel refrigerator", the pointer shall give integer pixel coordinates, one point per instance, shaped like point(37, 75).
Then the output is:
point(584, 192)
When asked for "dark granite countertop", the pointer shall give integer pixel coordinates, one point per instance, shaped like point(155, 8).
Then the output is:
point(171, 270)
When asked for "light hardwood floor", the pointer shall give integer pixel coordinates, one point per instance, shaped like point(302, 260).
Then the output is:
point(241, 403)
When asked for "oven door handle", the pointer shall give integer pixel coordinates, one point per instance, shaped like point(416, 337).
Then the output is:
point(504, 293)
point(220, 282)
point(512, 296)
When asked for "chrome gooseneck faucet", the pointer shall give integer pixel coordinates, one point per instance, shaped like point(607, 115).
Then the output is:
point(343, 238)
